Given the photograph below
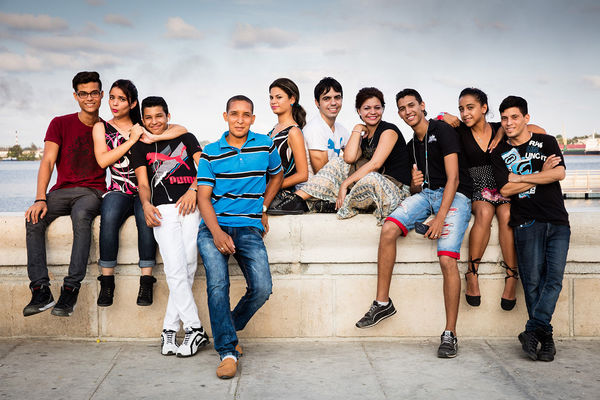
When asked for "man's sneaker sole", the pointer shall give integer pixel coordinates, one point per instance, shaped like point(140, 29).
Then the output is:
point(443, 355)
point(32, 310)
point(203, 343)
point(376, 322)
point(59, 312)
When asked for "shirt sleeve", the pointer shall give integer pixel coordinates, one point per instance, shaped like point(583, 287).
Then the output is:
point(274, 160)
point(448, 137)
point(53, 134)
point(314, 139)
point(499, 167)
point(552, 147)
point(191, 142)
point(206, 176)
point(138, 156)
point(343, 134)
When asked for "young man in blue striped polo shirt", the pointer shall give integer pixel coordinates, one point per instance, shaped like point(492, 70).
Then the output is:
point(233, 196)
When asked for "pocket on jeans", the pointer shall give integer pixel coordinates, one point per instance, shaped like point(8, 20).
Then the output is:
point(256, 230)
point(526, 224)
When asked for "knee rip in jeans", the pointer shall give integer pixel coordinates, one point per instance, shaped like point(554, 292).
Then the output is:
point(446, 229)
point(451, 211)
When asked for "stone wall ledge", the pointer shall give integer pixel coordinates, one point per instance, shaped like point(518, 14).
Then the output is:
point(324, 272)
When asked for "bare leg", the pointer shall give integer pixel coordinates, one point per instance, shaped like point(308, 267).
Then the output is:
point(507, 245)
point(108, 271)
point(303, 194)
point(146, 270)
point(386, 257)
point(449, 268)
point(478, 240)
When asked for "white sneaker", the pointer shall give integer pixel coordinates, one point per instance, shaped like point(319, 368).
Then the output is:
point(168, 343)
point(193, 340)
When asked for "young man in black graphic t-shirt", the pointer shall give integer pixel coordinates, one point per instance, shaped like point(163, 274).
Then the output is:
point(528, 168)
point(166, 173)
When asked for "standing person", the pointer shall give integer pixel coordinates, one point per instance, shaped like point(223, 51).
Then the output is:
point(233, 196)
point(476, 136)
point(325, 138)
point(284, 99)
point(78, 192)
point(528, 168)
point(373, 174)
point(441, 187)
point(113, 141)
point(166, 172)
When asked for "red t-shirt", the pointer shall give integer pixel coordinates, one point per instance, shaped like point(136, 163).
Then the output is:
point(76, 164)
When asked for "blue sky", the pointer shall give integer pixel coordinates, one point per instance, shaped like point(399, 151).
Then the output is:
point(197, 54)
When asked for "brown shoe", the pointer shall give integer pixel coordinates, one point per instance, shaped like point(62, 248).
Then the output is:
point(227, 369)
point(238, 348)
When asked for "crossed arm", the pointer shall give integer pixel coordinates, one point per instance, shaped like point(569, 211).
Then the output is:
point(551, 172)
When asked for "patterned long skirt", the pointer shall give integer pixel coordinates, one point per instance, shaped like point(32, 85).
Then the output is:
point(372, 190)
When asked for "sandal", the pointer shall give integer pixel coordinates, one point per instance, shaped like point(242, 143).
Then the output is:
point(507, 304)
point(474, 301)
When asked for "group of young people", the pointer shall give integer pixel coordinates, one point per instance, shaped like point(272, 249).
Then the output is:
point(216, 201)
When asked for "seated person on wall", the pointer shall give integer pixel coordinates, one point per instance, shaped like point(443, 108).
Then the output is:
point(284, 99)
point(113, 141)
point(233, 196)
point(375, 171)
point(325, 138)
point(78, 192)
point(166, 172)
point(528, 167)
point(437, 189)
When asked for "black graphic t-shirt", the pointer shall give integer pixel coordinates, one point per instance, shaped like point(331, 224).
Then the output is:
point(543, 203)
point(441, 140)
point(170, 166)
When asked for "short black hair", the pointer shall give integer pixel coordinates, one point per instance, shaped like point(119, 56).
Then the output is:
point(325, 85)
point(239, 97)
point(155, 101)
point(367, 93)
point(478, 94)
point(86, 77)
point(410, 92)
point(514, 101)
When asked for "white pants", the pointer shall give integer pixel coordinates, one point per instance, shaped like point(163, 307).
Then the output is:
point(176, 237)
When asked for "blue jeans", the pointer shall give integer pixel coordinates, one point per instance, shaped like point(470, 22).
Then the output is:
point(542, 254)
point(251, 255)
point(116, 208)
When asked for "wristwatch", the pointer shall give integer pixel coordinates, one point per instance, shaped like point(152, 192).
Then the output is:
point(264, 208)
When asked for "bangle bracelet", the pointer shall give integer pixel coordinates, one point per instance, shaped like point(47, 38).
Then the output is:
point(360, 132)
point(194, 189)
point(38, 200)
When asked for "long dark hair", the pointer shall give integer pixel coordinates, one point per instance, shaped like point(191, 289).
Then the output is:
point(132, 96)
point(478, 94)
point(290, 88)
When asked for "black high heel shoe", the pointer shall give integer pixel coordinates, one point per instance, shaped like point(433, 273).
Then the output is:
point(507, 304)
point(474, 301)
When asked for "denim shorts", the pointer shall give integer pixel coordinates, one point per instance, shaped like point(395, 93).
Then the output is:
point(419, 206)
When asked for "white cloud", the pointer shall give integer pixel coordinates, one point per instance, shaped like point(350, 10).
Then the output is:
point(117, 19)
point(18, 62)
point(177, 28)
point(452, 82)
point(78, 43)
point(91, 29)
point(593, 80)
point(33, 22)
point(247, 36)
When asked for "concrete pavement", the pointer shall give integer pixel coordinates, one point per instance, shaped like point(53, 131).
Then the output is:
point(391, 369)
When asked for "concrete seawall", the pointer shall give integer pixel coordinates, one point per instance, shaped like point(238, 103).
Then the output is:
point(324, 277)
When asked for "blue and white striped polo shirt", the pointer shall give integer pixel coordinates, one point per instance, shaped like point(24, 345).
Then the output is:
point(238, 178)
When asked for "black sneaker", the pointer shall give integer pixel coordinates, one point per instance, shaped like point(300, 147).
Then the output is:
point(448, 346)
point(66, 302)
point(376, 314)
point(529, 343)
point(107, 290)
point(324, 206)
point(548, 350)
point(291, 205)
point(41, 300)
point(145, 293)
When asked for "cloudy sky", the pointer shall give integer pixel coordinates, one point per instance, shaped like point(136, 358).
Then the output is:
point(197, 54)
